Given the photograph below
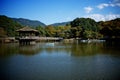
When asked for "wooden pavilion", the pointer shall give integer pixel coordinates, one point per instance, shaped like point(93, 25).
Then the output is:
point(27, 35)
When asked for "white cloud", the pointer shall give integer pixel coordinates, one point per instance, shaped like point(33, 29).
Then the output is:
point(100, 17)
point(116, 0)
point(88, 9)
point(118, 4)
point(112, 5)
point(96, 17)
point(112, 16)
point(101, 6)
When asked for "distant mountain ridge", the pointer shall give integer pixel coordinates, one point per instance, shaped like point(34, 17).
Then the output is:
point(27, 22)
point(60, 24)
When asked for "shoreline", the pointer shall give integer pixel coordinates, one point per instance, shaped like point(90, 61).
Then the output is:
point(58, 39)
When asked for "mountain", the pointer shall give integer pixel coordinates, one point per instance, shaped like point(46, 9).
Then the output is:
point(61, 24)
point(27, 22)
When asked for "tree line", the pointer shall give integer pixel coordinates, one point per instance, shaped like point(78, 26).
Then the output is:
point(84, 28)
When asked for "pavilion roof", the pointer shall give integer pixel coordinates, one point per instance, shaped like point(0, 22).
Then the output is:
point(27, 29)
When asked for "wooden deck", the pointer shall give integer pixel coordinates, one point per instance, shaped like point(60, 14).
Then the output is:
point(49, 39)
point(24, 39)
point(38, 39)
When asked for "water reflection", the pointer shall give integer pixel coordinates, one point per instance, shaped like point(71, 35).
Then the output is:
point(8, 50)
point(59, 61)
point(73, 49)
point(14, 49)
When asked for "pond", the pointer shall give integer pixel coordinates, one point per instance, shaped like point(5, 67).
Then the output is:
point(59, 61)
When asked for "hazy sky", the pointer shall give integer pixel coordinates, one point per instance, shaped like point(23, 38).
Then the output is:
point(52, 11)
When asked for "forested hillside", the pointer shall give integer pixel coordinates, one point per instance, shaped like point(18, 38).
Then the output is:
point(83, 28)
point(27, 22)
point(61, 24)
point(8, 26)
point(111, 28)
point(78, 28)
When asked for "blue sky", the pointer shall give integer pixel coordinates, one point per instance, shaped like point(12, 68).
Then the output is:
point(52, 11)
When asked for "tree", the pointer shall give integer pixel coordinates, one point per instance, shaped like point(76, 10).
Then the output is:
point(80, 25)
point(2, 32)
point(41, 30)
point(110, 28)
point(50, 30)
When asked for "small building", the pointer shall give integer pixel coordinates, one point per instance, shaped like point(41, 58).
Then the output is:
point(27, 35)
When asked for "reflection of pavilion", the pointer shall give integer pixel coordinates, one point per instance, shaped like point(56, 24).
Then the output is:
point(27, 35)
point(29, 50)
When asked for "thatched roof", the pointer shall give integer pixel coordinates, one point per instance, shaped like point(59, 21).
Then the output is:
point(26, 29)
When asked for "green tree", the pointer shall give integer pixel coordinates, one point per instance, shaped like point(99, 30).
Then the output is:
point(41, 30)
point(9, 26)
point(80, 25)
point(2, 32)
point(50, 31)
point(110, 28)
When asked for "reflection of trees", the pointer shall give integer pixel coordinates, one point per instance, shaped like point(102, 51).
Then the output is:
point(8, 50)
point(58, 48)
point(84, 49)
point(111, 50)
point(29, 50)
point(75, 49)
point(12, 49)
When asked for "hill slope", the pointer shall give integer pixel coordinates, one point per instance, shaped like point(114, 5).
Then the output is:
point(61, 24)
point(27, 22)
point(8, 27)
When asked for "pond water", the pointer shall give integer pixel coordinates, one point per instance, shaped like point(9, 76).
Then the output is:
point(59, 61)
